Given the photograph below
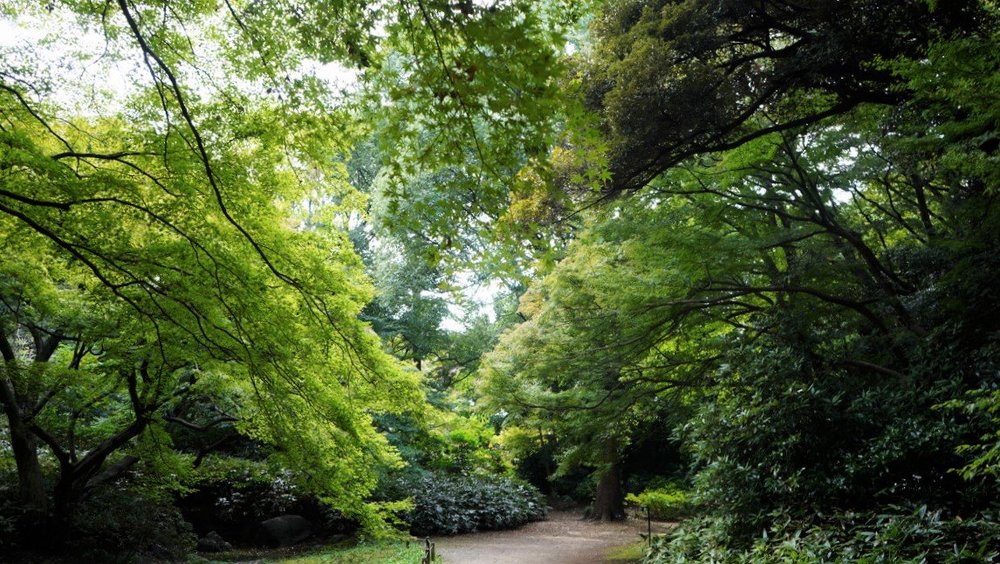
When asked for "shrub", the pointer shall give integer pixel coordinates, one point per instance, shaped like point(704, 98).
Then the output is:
point(667, 503)
point(446, 504)
point(784, 434)
point(10, 514)
point(898, 535)
point(125, 525)
point(11, 511)
point(231, 496)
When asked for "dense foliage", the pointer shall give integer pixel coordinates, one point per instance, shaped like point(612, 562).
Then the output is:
point(899, 535)
point(448, 505)
point(748, 246)
point(800, 277)
point(177, 278)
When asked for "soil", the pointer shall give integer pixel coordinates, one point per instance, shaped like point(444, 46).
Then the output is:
point(564, 538)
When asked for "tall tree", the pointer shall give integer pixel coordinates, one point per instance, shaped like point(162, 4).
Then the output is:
point(172, 205)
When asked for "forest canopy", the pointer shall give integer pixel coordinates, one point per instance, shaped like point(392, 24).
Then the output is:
point(739, 257)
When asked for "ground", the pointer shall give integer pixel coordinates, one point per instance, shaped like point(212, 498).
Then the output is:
point(564, 538)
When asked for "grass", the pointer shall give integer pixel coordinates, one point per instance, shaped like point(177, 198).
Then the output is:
point(389, 552)
point(345, 552)
point(628, 553)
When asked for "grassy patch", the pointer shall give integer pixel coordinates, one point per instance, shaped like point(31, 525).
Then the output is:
point(628, 553)
point(345, 552)
point(389, 552)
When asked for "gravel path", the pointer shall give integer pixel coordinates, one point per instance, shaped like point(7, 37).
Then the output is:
point(564, 538)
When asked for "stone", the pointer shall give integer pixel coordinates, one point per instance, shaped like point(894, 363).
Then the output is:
point(284, 530)
point(213, 542)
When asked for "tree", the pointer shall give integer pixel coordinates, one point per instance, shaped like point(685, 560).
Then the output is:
point(672, 80)
point(169, 217)
point(602, 349)
point(140, 310)
point(787, 282)
point(409, 308)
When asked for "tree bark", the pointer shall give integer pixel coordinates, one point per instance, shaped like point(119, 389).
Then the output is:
point(609, 500)
point(30, 482)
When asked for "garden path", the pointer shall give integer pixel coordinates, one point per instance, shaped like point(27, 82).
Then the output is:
point(564, 538)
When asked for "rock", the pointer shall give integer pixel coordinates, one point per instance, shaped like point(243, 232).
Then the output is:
point(284, 530)
point(334, 539)
point(212, 542)
point(158, 553)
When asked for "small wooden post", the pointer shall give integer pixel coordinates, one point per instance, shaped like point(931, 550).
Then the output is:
point(649, 528)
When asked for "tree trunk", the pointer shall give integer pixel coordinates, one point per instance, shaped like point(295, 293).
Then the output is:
point(30, 482)
point(609, 500)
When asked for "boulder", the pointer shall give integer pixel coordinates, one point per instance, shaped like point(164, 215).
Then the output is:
point(213, 542)
point(284, 530)
point(158, 553)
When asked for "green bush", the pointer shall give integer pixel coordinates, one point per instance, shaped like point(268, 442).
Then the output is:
point(231, 496)
point(449, 505)
point(784, 434)
point(898, 535)
point(124, 525)
point(10, 513)
point(667, 503)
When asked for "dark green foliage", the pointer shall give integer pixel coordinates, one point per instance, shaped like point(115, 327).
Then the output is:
point(779, 434)
point(450, 505)
point(705, 72)
point(897, 535)
point(805, 275)
point(122, 524)
point(11, 512)
point(232, 496)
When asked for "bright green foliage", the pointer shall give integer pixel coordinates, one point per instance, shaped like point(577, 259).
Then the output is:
point(156, 249)
point(177, 304)
point(442, 440)
point(468, 105)
point(585, 366)
point(666, 503)
point(463, 88)
point(986, 449)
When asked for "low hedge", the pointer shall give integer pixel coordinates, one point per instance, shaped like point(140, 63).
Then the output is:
point(447, 504)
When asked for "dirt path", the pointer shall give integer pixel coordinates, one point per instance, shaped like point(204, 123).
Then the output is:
point(562, 539)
